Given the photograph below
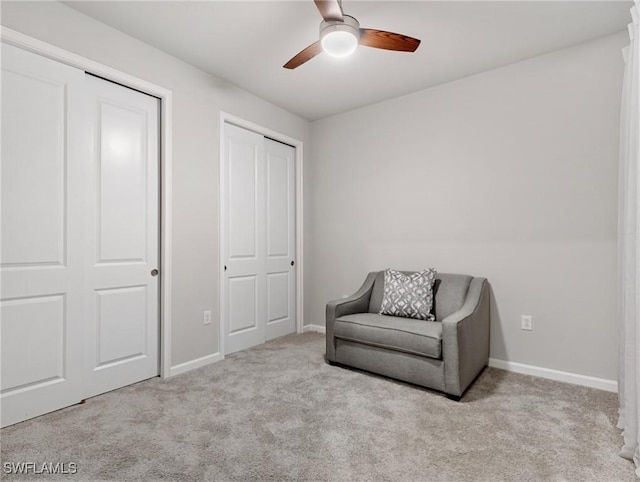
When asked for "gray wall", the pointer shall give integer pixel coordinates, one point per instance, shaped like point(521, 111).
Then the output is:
point(510, 174)
point(198, 99)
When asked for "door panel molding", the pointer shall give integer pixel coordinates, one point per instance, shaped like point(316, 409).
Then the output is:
point(227, 118)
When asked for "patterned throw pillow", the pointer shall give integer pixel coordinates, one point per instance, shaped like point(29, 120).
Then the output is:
point(409, 296)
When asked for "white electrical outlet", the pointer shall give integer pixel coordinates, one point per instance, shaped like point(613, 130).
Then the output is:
point(527, 322)
point(206, 319)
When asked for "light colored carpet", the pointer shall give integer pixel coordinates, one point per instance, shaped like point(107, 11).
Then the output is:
point(279, 412)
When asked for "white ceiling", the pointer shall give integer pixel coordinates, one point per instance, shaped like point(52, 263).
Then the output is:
point(247, 43)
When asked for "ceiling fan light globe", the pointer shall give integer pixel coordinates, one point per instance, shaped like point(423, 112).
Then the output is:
point(339, 43)
point(340, 38)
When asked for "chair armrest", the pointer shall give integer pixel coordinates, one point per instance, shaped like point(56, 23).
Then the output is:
point(356, 303)
point(465, 339)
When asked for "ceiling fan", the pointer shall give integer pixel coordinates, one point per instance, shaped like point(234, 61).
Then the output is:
point(341, 34)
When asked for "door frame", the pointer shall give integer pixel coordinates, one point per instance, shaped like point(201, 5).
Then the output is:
point(225, 117)
point(44, 49)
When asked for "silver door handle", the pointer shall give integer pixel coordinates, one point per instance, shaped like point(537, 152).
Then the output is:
point(154, 272)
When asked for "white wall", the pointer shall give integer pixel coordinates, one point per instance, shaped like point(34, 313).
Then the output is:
point(510, 174)
point(198, 99)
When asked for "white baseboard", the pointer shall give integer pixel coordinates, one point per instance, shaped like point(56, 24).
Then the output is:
point(316, 328)
point(193, 364)
point(559, 376)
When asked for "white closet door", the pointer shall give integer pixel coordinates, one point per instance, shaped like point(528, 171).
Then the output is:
point(121, 237)
point(41, 307)
point(259, 239)
point(79, 305)
point(245, 294)
point(281, 239)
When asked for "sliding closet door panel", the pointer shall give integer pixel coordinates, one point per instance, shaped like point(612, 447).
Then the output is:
point(41, 306)
point(122, 237)
point(280, 252)
point(259, 239)
point(244, 228)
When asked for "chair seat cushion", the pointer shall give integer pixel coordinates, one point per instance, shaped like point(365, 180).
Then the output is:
point(408, 335)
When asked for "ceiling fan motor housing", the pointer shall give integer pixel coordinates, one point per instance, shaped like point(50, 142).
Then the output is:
point(340, 37)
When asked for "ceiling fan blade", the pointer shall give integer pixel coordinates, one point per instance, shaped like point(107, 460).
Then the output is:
point(329, 9)
point(301, 57)
point(380, 39)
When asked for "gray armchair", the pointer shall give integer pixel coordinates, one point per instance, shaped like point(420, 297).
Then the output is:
point(445, 355)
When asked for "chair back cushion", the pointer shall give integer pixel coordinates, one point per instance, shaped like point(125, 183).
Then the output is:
point(450, 291)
